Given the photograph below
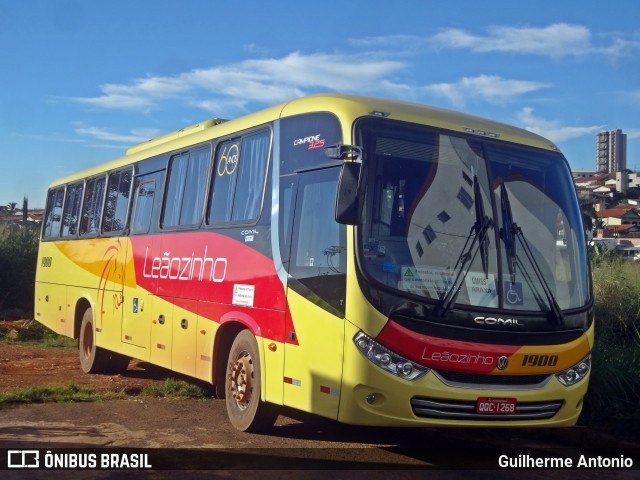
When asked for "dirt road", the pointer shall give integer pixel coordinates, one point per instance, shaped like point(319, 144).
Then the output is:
point(144, 422)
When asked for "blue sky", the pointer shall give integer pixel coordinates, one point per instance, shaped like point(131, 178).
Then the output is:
point(83, 80)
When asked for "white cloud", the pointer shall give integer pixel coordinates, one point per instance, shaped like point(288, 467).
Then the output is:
point(632, 134)
point(266, 81)
point(399, 40)
point(556, 40)
point(552, 129)
point(490, 88)
point(118, 102)
point(105, 135)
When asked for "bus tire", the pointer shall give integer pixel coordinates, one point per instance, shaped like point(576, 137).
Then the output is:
point(246, 411)
point(93, 359)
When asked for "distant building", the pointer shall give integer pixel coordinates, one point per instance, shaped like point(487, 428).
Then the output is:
point(583, 174)
point(34, 215)
point(627, 180)
point(611, 151)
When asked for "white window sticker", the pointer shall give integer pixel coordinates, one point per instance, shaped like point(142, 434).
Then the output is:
point(418, 280)
point(243, 295)
point(481, 289)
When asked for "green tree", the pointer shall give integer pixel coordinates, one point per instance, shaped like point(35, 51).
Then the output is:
point(11, 208)
point(18, 260)
point(25, 210)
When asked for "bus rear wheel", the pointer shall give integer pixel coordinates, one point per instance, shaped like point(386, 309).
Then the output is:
point(93, 359)
point(246, 411)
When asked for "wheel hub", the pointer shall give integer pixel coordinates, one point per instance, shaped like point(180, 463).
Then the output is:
point(240, 378)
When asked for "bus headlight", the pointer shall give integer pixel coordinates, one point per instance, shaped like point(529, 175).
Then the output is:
point(573, 375)
point(388, 360)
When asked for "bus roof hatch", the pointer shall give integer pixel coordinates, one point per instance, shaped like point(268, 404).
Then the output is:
point(154, 142)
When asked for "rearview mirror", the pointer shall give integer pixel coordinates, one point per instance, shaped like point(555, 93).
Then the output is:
point(347, 211)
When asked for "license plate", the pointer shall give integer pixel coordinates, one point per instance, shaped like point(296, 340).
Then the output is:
point(496, 406)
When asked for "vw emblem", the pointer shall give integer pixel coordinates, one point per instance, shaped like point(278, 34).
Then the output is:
point(503, 362)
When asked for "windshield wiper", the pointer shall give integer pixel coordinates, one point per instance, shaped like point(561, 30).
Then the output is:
point(479, 243)
point(486, 223)
point(508, 233)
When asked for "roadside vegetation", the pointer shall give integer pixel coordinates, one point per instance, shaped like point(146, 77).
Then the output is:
point(18, 257)
point(613, 400)
point(30, 330)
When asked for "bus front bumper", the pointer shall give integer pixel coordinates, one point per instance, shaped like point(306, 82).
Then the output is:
point(379, 398)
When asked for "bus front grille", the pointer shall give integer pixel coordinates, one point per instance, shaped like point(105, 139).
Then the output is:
point(466, 410)
point(488, 381)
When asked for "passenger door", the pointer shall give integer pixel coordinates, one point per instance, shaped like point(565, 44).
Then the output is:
point(316, 294)
point(137, 318)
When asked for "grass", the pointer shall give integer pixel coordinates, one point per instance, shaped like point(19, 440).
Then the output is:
point(57, 394)
point(172, 388)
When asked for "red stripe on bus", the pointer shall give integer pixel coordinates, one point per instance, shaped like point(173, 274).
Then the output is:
point(443, 353)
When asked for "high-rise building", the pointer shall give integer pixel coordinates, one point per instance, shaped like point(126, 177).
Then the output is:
point(611, 151)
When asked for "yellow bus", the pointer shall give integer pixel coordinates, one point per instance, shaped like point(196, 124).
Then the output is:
point(372, 261)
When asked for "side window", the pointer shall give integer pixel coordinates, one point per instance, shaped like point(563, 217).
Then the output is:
point(143, 208)
point(238, 179)
point(117, 203)
point(71, 215)
point(248, 197)
point(288, 187)
point(53, 213)
point(318, 250)
point(186, 186)
point(92, 206)
point(225, 175)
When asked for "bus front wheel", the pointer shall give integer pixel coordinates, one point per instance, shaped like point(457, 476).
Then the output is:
point(246, 411)
point(93, 359)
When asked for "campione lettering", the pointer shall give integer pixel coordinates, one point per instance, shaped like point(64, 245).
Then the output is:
point(302, 141)
point(201, 268)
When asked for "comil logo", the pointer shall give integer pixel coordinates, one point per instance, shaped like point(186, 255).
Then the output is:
point(511, 322)
point(23, 459)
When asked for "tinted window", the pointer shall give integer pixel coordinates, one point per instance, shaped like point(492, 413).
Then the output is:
point(186, 188)
point(461, 220)
point(318, 256)
point(117, 203)
point(71, 216)
point(92, 206)
point(143, 208)
point(53, 214)
point(175, 189)
point(255, 151)
point(238, 179)
point(224, 181)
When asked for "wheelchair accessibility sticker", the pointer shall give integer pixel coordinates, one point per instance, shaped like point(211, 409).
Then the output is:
point(513, 293)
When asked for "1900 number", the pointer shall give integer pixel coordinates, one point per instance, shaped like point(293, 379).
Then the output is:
point(46, 262)
point(540, 360)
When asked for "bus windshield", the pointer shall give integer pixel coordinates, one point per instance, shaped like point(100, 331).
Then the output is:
point(468, 221)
